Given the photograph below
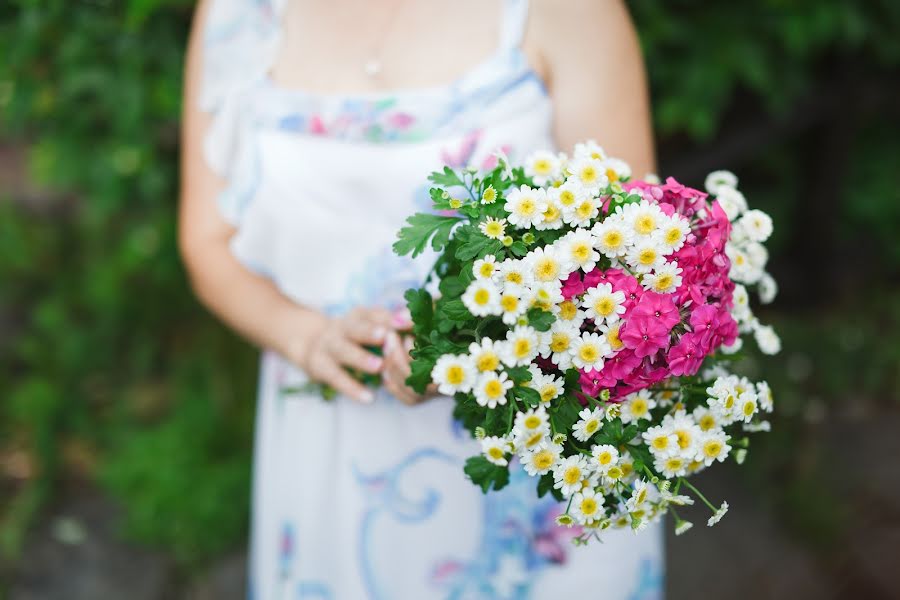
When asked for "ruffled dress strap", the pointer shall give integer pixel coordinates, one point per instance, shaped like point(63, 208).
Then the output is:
point(515, 18)
point(240, 43)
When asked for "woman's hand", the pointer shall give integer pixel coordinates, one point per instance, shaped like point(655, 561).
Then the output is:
point(335, 344)
point(396, 363)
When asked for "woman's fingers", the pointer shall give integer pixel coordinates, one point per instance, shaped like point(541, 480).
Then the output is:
point(397, 370)
point(364, 328)
point(332, 373)
point(347, 353)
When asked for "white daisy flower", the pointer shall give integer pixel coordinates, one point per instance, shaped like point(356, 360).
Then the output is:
point(589, 350)
point(453, 373)
point(552, 218)
point(605, 457)
point(713, 447)
point(482, 298)
point(687, 433)
point(484, 268)
point(706, 418)
point(717, 180)
point(490, 389)
point(546, 264)
point(741, 304)
point(611, 332)
point(601, 303)
point(748, 406)
point(661, 440)
point(567, 196)
point(526, 206)
point(587, 506)
point(493, 228)
point(636, 407)
point(766, 399)
point(494, 449)
point(589, 149)
point(683, 527)
point(768, 288)
point(521, 346)
point(583, 213)
point(734, 347)
point(569, 473)
point(532, 421)
point(589, 423)
point(541, 459)
point(612, 237)
point(718, 514)
point(671, 466)
point(513, 275)
point(742, 268)
point(672, 233)
point(569, 313)
point(645, 255)
point(546, 294)
point(757, 225)
point(616, 170)
point(589, 173)
point(489, 196)
point(639, 495)
point(664, 280)
point(513, 305)
point(550, 387)
point(542, 167)
point(767, 340)
point(486, 354)
point(644, 218)
point(732, 202)
point(577, 249)
point(558, 343)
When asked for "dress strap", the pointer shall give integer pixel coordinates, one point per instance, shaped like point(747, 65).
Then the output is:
point(515, 16)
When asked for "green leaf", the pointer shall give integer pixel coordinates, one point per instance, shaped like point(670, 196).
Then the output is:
point(422, 227)
point(540, 319)
point(545, 484)
point(447, 177)
point(486, 474)
point(421, 309)
point(530, 396)
point(455, 310)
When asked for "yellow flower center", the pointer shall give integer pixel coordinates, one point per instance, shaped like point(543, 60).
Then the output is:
point(455, 375)
point(548, 392)
point(522, 348)
point(661, 442)
point(641, 497)
point(542, 166)
point(532, 421)
point(567, 197)
point(581, 251)
point(639, 407)
point(482, 297)
point(568, 310)
point(615, 473)
point(546, 269)
point(673, 235)
point(664, 282)
point(749, 408)
point(712, 448)
point(487, 269)
point(509, 303)
point(612, 175)
point(495, 452)
point(584, 210)
point(493, 389)
point(674, 463)
point(551, 214)
point(543, 459)
point(647, 256)
point(604, 306)
point(489, 195)
point(488, 361)
point(527, 207)
point(588, 353)
point(572, 475)
point(604, 458)
point(514, 277)
point(644, 224)
point(684, 438)
point(729, 401)
point(591, 426)
point(612, 239)
point(534, 439)
point(588, 507)
point(494, 229)
point(559, 342)
point(588, 174)
point(707, 422)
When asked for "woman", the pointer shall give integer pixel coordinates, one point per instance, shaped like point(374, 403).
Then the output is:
point(309, 129)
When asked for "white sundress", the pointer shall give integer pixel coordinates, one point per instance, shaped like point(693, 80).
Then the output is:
point(351, 501)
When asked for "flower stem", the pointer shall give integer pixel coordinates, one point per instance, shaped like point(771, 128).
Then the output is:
point(699, 495)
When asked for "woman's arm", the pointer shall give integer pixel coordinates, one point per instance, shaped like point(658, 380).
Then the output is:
point(251, 304)
point(589, 55)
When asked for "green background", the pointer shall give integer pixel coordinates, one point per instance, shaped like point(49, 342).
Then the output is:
point(113, 378)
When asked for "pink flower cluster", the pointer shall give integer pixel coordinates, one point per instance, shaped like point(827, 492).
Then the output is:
point(667, 335)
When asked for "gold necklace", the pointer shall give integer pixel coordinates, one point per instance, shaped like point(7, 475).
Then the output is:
point(373, 66)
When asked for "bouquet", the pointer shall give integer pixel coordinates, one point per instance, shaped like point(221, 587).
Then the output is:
point(584, 322)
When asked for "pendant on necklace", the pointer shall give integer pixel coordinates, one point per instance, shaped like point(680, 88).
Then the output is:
point(372, 67)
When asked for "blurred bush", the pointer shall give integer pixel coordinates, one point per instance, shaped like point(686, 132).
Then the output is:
point(111, 372)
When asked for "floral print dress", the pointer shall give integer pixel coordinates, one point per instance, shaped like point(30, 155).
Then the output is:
point(356, 501)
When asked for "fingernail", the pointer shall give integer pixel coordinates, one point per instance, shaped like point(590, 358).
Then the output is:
point(379, 333)
point(402, 318)
point(408, 344)
point(388, 344)
point(367, 396)
point(375, 362)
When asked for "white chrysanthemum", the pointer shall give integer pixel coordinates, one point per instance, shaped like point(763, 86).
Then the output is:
point(612, 237)
point(453, 373)
point(549, 387)
point(583, 213)
point(546, 264)
point(589, 173)
point(604, 457)
point(552, 217)
point(567, 196)
point(748, 406)
point(532, 421)
point(757, 225)
point(559, 341)
point(743, 269)
point(577, 249)
point(513, 275)
point(636, 407)
point(482, 298)
point(588, 424)
point(601, 303)
point(490, 389)
point(687, 433)
point(645, 256)
point(587, 506)
point(741, 304)
point(768, 288)
point(661, 440)
point(767, 340)
point(521, 345)
point(683, 527)
point(541, 459)
point(569, 473)
point(589, 149)
point(766, 399)
point(718, 514)
point(669, 466)
point(664, 280)
point(611, 332)
point(616, 170)
point(639, 495)
point(732, 202)
point(513, 305)
point(484, 268)
point(672, 233)
point(494, 449)
point(589, 350)
point(643, 218)
point(713, 447)
point(542, 167)
point(568, 312)
point(706, 418)
point(526, 206)
point(489, 195)
point(493, 228)
point(717, 180)
point(486, 354)
point(734, 348)
point(546, 294)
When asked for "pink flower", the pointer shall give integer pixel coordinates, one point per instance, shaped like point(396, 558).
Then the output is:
point(573, 286)
point(645, 335)
point(659, 307)
point(685, 357)
point(704, 321)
